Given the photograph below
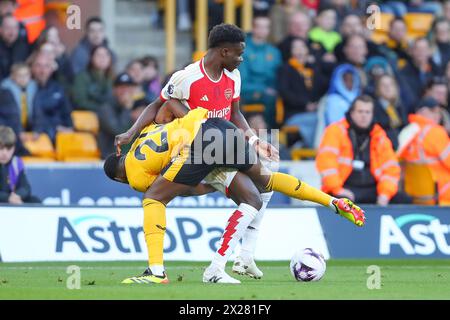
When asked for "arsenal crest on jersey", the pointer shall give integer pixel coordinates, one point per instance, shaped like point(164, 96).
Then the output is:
point(228, 93)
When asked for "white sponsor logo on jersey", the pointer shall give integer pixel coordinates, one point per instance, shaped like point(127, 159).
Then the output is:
point(222, 113)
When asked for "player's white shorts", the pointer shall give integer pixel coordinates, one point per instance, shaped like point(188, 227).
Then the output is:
point(221, 178)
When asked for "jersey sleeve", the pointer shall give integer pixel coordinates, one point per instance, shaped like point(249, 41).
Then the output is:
point(176, 87)
point(237, 85)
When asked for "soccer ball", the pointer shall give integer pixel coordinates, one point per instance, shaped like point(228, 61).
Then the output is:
point(308, 265)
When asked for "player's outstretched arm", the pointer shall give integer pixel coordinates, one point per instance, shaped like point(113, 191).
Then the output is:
point(146, 118)
point(263, 148)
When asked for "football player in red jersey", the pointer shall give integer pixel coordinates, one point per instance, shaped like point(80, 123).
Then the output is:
point(214, 83)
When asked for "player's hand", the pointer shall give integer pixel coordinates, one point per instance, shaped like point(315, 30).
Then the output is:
point(123, 138)
point(266, 150)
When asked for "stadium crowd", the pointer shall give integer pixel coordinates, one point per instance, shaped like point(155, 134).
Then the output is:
point(315, 59)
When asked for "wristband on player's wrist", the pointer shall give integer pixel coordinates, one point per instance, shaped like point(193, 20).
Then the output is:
point(252, 140)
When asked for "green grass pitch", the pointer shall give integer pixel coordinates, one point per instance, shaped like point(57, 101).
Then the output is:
point(344, 279)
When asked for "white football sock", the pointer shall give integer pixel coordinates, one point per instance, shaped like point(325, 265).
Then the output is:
point(236, 226)
point(157, 269)
point(250, 237)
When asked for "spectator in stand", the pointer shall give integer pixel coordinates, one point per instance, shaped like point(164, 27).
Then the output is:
point(345, 86)
point(446, 10)
point(93, 87)
point(353, 25)
point(389, 111)
point(437, 89)
point(18, 92)
point(400, 8)
point(262, 7)
point(95, 36)
point(355, 53)
point(301, 85)
point(356, 159)
point(278, 15)
point(341, 7)
point(414, 76)
point(374, 68)
point(257, 123)
point(51, 109)
point(428, 144)
point(259, 68)
point(440, 43)
point(396, 46)
point(152, 82)
point(135, 69)
point(447, 79)
point(299, 25)
point(115, 117)
point(9, 7)
point(14, 186)
point(49, 41)
point(13, 49)
point(138, 107)
point(323, 32)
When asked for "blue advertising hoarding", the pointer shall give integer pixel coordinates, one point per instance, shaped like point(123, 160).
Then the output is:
point(390, 232)
point(88, 186)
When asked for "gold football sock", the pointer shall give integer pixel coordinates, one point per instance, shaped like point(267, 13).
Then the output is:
point(154, 230)
point(297, 189)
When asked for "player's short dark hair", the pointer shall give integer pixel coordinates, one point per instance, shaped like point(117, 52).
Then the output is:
point(225, 33)
point(111, 165)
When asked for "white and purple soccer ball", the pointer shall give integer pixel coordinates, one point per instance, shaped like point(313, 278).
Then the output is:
point(308, 265)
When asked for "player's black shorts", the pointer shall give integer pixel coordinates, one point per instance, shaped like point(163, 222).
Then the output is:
point(218, 144)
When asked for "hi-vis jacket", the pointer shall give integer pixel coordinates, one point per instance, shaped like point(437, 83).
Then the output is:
point(431, 146)
point(335, 157)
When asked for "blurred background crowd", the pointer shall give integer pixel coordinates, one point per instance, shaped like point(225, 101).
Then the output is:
point(305, 64)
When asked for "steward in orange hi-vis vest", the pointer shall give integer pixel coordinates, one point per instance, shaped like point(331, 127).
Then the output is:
point(31, 14)
point(335, 158)
point(431, 146)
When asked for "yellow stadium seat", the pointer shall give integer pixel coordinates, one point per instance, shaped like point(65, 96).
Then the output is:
point(385, 21)
point(253, 108)
point(76, 145)
point(379, 37)
point(302, 153)
point(83, 160)
point(418, 24)
point(380, 34)
point(86, 121)
point(419, 183)
point(29, 160)
point(237, 3)
point(198, 55)
point(279, 112)
point(41, 147)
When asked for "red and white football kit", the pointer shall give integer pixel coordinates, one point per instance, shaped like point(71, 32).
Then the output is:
point(194, 88)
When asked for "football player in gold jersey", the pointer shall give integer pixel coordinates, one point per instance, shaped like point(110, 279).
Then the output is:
point(172, 159)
